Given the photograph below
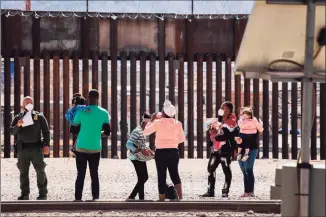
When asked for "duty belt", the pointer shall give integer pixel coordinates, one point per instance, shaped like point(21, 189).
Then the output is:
point(22, 145)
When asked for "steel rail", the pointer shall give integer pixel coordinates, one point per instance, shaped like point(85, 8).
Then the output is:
point(257, 206)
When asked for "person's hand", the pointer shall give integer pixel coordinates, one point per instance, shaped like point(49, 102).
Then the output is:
point(238, 140)
point(46, 150)
point(212, 138)
point(213, 132)
point(20, 123)
point(146, 152)
point(156, 116)
point(220, 112)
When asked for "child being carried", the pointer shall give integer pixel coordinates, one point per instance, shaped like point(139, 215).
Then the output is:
point(249, 126)
point(214, 127)
point(78, 104)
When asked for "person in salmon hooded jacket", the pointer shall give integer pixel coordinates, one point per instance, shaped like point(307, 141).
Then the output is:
point(223, 147)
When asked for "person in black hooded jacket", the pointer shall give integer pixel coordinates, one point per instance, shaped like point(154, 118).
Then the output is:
point(225, 154)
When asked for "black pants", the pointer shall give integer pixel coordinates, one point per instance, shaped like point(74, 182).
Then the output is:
point(216, 158)
point(167, 159)
point(81, 164)
point(142, 175)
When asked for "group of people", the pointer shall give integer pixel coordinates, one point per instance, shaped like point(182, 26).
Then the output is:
point(89, 123)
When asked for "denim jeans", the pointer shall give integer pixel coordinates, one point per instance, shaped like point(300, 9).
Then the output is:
point(247, 169)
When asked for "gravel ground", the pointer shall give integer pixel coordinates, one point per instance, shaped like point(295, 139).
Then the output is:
point(117, 178)
point(143, 214)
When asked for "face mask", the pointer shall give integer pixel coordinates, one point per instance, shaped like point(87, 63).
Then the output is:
point(29, 107)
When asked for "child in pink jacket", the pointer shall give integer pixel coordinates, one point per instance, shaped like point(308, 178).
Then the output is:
point(249, 126)
point(214, 127)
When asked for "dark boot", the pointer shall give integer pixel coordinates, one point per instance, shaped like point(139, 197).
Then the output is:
point(23, 197)
point(211, 186)
point(209, 193)
point(225, 191)
point(42, 197)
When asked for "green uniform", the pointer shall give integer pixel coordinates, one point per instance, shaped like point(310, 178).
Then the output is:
point(30, 150)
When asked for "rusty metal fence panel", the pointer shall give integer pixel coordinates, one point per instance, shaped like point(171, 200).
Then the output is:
point(197, 87)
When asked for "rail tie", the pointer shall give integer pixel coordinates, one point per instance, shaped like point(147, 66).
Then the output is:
point(257, 206)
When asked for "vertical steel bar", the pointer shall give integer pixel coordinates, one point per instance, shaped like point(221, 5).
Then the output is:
point(36, 44)
point(209, 97)
point(190, 92)
point(275, 120)
point(200, 98)
point(237, 94)
point(66, 90)
point(313, 149)
point(322, 121)
point(228, 78)
point(75, 71)
point(124, 110)
point(46, 80)
point(7, 106)
point(75, 79)
point(152, 92)
point(56, 106)
point(17, 89)
point(294, 121)
point(94, 70)
point(133, 91)
point(181, 99)
point(171, 78)
point(161, 54)
point(257, 106)
point(85, 46)
point(247, 92)
point(218, 75)
point(266, 119)
point(27, 75)
point(285, 119)
point(142, 83)
point(104, 97)
point(17, 83)
point(114, 84)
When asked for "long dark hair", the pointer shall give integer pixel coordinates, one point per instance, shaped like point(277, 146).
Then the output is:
point(229, 105)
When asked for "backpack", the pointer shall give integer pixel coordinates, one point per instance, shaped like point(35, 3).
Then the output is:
point(171, 193)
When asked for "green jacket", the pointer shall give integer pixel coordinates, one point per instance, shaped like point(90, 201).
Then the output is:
point(33, 133)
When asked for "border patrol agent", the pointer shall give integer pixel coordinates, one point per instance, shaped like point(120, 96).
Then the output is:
point(31, 148)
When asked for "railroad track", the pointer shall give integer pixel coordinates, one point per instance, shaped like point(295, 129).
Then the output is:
point(257, 206)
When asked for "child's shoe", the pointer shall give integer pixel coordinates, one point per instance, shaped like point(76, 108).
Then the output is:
point(239, 156)
point(245, 157)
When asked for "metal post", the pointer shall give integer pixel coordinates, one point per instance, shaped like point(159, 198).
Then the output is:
point(307, 110)
point(1, 121)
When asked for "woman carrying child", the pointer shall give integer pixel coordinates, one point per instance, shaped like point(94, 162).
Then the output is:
point(222, 141)
point(139, 154)
point(248, 149)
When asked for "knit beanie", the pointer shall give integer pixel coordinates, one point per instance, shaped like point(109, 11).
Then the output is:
point(169, 109)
